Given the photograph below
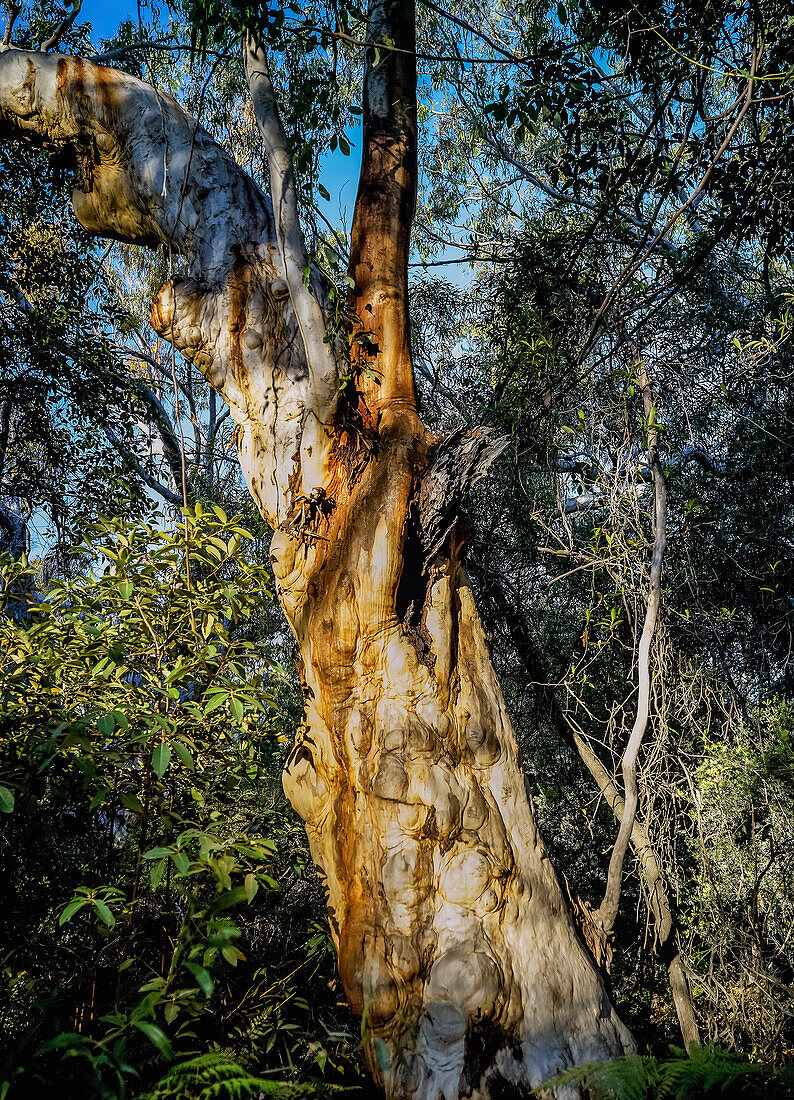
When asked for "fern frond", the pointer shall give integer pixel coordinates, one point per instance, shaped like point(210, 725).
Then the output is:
point(627, 1078)
point(216, 1076)
point(687, 1075)
point(702, 1070)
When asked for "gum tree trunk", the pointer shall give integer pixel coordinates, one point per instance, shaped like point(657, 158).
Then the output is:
point(455, 941)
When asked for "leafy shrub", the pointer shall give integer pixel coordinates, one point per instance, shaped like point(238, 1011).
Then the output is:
point(145, 835)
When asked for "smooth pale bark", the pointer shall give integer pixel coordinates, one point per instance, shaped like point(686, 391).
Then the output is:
point(454, 937)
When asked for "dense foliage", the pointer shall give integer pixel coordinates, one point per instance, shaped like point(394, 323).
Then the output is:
point(141, 714)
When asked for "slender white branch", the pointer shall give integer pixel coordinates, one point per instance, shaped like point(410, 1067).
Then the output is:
point(172, 450)
point(62, 27)
point(608, 910)
point(291, 242)
point(14, 9)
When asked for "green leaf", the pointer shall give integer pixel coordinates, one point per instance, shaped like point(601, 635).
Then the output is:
point(70, 910)
point(218, 699)
point(181, 862)
point(98, 798)
point(231, 954)
point(324, 192)
point(251, 886)
point(184, 754)
point(132, 802)
point(202, 976)
point(156, 872)
point(6, 800)
point(161, 758)
point(104, 913)
point(229, 897)
point(155, 1035)
point(65, 1039)
point(237, 708)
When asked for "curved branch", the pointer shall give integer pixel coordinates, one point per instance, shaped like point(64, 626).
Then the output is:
point(129, 460)
point(62, 27)
point(146, 172)
point(172, 450)
point(608, 910)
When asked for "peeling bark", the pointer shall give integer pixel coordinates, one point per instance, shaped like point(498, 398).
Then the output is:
point(454, 937)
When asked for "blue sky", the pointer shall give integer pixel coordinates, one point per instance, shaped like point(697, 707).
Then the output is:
point(105, 17)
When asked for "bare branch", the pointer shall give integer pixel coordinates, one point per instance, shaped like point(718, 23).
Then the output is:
point(14, 9)
point(608, 909)
point(289, 234)
point(172, 450)
point(62, 27)
point(168, 495)
point(155, 45)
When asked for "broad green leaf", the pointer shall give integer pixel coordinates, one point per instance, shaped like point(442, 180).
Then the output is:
point(217, 699)
point(106, 724)
point(104, 913)
point(161, 758)
point(70, 910)
point(132, 802)
point(184, 754)
point(6, 800)
point(202, 976)
point(156, 872)
point(155, 1035)
point(65, 1039)
point(181, 862)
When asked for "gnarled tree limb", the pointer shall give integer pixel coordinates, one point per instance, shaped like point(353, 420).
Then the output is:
point(147, 173)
